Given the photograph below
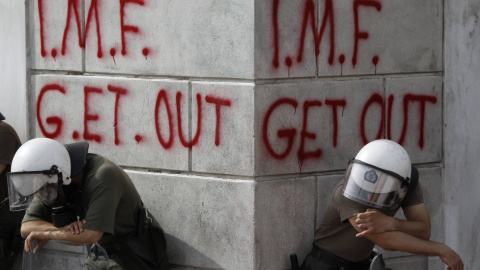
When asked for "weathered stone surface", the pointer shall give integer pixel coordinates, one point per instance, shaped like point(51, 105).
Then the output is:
point(47, 259)
point(284, 215)
point(227, 133)
point(461, 119)
point(434, 194)
point(435, 263)
point(407, 262)
point(209, 222)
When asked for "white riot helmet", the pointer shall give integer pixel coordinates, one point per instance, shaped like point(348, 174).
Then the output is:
point(379, 176)
point(40, 167)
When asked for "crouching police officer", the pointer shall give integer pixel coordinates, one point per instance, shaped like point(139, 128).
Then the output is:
point(60, 182)
point(377, 183)
point(10, 240)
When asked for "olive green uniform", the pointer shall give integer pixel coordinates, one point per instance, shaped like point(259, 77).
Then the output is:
point(110, 204)
point(9, 221)
point(337, 236)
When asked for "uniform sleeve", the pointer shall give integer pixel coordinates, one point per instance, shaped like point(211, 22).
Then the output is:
point(102, 205)
point(413, 197)
point(346, 208)
point(37, 211)
point(9, 146)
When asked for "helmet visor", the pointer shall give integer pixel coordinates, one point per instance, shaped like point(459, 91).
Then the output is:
point(24, 186)
point(373, 187)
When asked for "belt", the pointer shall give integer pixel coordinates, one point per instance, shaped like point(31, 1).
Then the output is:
point(333, 260)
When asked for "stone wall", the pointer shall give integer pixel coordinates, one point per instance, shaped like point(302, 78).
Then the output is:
point(462, 126)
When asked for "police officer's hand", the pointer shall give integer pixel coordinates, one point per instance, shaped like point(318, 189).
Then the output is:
point(451, 258)
point(374, 221)
point(76, 227)
point(42, 240)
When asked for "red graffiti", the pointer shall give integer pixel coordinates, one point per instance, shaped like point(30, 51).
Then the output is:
point(328, 14)
point(375, 98)
point(118, 93)
point(54, 54)
point(309, 20)
point(75, 135)
point(375, 62)
point(43, 51)
point(52, 120)
point(145, 52)
point(112, 53)
point(302, 155)
point(407, 99)
point(288, 133)
point(162, 95)
point(124, 27)
point(72, 4)
point(138, 138)
point(73, 14)
point(94, 8)
point(288, 62)
point(275, 33)
point(389, 115)
point(121, 96)
point(341, 60)
point(334, 104)
point(361, 35)
point(199, 121)
point(90, 117)
point(218, 103)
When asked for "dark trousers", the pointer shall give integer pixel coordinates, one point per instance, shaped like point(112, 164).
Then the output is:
point(319, 259)
point(11, 244)
point(118, 259)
